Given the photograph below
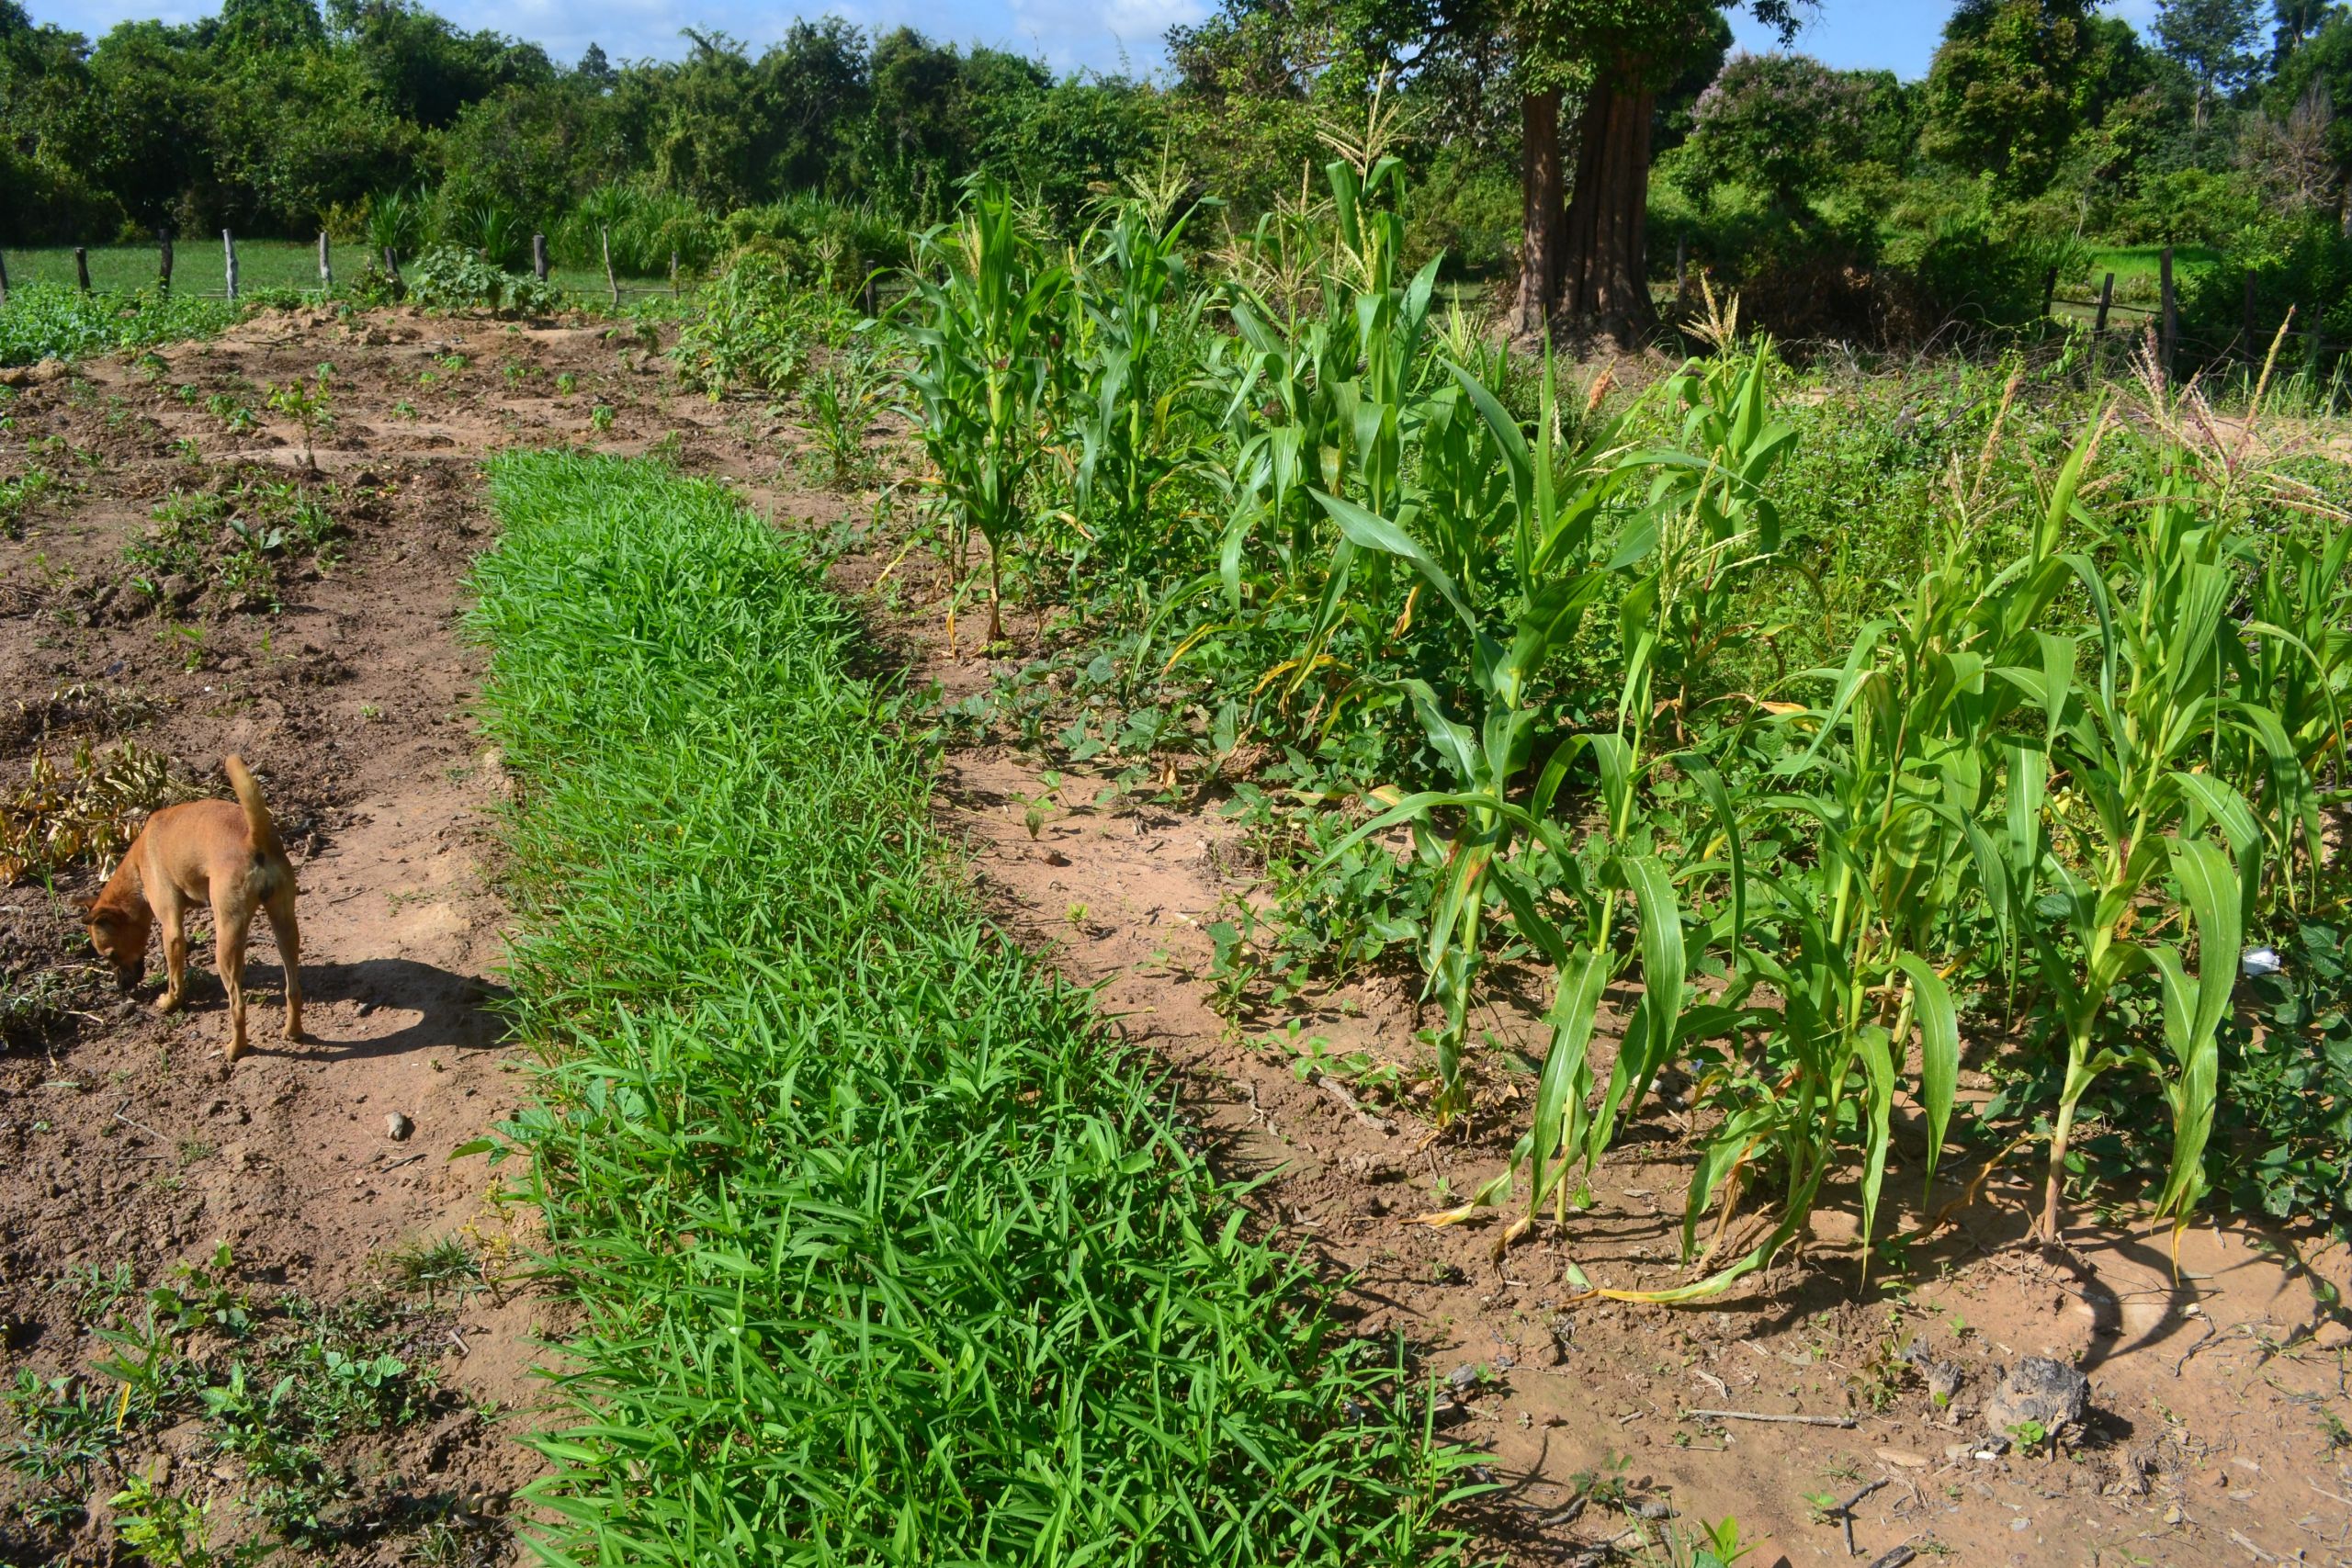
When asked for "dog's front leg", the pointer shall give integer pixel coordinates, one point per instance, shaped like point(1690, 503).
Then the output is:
point(171, 918)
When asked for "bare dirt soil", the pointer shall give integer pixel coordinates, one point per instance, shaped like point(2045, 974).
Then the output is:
point(344, 677)
point(2217, 1430)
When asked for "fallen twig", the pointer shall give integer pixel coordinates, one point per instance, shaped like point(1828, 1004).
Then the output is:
point(1846, 1421)
point(141, 1125)
point(2260, 1555)
point(1895, 1558)
point(1845, 1512)
point(1346, 1097)
point(2212, 1332)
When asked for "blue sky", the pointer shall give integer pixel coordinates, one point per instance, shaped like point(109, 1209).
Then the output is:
point(1107, 35)
point(1886, 35)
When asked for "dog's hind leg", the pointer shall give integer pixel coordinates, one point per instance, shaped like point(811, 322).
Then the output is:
point(229, 951)
point(290, 953)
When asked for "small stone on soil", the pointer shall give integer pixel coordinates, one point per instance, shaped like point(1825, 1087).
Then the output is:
point(2037, 1390)
point(396, 1127)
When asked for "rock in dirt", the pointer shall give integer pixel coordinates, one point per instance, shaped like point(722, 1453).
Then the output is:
point(32, 374)
point(396, 1127)
point(2039, 1390)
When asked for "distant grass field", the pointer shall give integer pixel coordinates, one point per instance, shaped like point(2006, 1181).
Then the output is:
point(197, 267)
point(885, 1251)
point(2128, 262)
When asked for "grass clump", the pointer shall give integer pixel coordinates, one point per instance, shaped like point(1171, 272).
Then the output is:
point(884, 1253)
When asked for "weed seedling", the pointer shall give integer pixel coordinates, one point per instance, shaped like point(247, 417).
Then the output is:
point(310, 406)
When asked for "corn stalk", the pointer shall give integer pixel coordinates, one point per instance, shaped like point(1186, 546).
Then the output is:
point(982, 374)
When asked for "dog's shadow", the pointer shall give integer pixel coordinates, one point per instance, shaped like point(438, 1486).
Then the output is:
point(442, 1010)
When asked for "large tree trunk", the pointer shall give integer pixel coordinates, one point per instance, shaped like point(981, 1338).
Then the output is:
point(1540, 212)
point(1604, 282)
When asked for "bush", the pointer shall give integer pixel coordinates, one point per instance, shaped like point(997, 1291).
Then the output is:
point(447, 278)
point(752, 326)
point(647, 226)
point(2283, 1144)
point(820, 242)
point(1969, 275)
point(2301, 264)
point(1467, 208)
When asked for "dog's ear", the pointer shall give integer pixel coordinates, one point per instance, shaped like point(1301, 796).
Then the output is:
point(103, 919)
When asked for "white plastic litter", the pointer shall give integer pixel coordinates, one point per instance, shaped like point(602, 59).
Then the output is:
point(2258, 962)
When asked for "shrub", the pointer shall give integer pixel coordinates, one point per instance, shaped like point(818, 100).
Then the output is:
point(647, 227)
point(447, 278)
point(751, 327)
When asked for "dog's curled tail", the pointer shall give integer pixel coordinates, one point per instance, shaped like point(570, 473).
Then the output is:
point(258, 827)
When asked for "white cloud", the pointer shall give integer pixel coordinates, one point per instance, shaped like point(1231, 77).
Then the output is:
point(1111, 35)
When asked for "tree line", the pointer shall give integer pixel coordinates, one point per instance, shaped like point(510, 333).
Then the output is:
point(1569, 152)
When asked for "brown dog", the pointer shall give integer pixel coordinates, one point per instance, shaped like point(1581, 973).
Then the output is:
point(227, 855)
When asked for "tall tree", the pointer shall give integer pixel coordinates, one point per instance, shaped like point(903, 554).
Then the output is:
point(2293, 21)
point(2015, 80)
point(1784, 124)
point(2214, 42)
point(2319, 72)
point(1585, 260)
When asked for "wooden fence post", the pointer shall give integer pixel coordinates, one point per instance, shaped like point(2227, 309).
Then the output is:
point(163, 259)
point(2049, 292)
point(228, 261)
point(2249, 326)
point(610, 281)
point(539, 256)
point(3, 280)
point(2171, 311)
point(2106, 299)
point(326, 268)
point(81, 268)
point(391, 264)
point(1681, 265)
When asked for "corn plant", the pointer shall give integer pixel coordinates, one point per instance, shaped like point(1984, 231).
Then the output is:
point(2135, 740)
point(1319, 401)
point(1569, 906)
point(842, 400)
point(1711, 523)
point(2298, 656)
point(1537, 588)
point(982, 371)
point(1120, 414)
